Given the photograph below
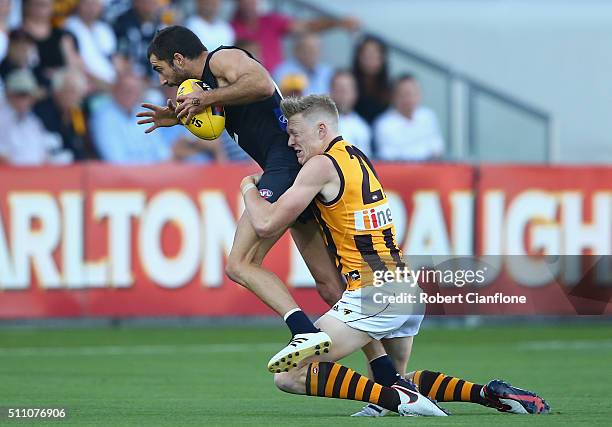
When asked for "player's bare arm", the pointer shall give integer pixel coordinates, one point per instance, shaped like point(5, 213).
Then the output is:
point(242, 80)
point(317, 177)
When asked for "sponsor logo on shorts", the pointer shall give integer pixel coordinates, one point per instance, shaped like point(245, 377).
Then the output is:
point(374, 218)
point(265, 193)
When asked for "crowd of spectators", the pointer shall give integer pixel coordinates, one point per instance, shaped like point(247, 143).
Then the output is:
point(73, 74)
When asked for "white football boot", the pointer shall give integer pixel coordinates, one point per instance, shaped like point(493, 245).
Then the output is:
point(371, 410)
point(414, 403)
point(301, 346)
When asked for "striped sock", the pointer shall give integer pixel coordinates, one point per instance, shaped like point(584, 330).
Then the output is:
point(444, 388)
point(328, 379)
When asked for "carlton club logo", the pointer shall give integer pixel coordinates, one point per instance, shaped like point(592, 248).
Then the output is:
point(373, 218)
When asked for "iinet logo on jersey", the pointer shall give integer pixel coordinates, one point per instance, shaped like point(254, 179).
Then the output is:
point(373, 218)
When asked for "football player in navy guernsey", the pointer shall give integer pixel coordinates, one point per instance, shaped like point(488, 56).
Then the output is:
point(254, 119)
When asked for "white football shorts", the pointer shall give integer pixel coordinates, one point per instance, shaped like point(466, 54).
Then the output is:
point(378, 325)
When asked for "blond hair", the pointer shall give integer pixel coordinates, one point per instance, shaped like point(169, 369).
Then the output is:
point(311, 106)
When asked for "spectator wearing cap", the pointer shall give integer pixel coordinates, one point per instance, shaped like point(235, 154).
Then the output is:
point(269, 29)
point(353, 128)
point(134, 30)
point(212, 30)
point(114, 131)
point(96, 40)
point(56, 47)
point(25, 141)
point(408, 131)
point(293, 85)
point(62, 112)
point(307, 61)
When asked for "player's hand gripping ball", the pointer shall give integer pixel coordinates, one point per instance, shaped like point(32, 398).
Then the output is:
point(210, 123)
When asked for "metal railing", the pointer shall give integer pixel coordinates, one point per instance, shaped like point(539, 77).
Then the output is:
point(468, 133)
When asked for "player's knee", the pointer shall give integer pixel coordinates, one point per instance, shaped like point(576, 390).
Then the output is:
point(233, 270)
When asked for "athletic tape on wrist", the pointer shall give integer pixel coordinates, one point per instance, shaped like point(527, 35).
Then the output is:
point(248, 187)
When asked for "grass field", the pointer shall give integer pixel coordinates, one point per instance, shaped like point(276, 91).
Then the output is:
point(217, 376)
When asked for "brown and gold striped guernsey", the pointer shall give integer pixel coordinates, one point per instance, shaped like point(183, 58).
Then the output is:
point(358, 223)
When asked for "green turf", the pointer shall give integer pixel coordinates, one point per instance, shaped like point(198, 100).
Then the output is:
point(209, 377)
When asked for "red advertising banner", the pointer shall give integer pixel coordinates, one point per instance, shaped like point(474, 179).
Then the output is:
point(527, 213)
point(100, 240)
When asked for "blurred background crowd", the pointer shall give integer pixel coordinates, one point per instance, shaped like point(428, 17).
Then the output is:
point(73, 74)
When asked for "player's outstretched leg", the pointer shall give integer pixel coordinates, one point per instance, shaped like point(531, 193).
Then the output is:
point(496, 394)
point(325, 378)
point(244, 267)
point(332, 380)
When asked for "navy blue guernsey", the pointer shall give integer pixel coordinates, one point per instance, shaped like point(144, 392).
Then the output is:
point(259, 127)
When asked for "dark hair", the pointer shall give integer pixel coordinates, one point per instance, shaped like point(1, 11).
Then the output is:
point(381, 83)
point(19, 35)
point(175, 39)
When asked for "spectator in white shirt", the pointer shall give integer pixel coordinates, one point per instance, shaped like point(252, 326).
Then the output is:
point(307, 52)
point(408, 131)
point(25, 141)
point(96, 40)
point(353, 128)
point(115, 133)
point(212, 31)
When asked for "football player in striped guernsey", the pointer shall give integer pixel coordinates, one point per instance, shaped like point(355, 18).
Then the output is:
point(357, 224)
